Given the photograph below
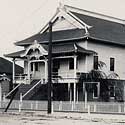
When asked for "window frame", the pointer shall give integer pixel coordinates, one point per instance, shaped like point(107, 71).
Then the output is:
point(31, 66)
point(71, 64)
point(95, 62)
point(36, 66)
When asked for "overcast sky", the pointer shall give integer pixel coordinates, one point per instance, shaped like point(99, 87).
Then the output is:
point(22, 18)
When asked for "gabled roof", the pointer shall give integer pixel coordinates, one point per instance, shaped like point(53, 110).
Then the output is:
point(57, 49)
point(6, 67)
point(57, 36)
point(103, 28)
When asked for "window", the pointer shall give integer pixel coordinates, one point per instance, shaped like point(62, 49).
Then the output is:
point(112, 64)
point(36, 66)
point(71, 63)
point(95, 66)
point(112, 91)
point(31, 66)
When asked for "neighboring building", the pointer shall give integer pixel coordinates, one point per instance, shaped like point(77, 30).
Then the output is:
point(6, 76)
point(82, 41)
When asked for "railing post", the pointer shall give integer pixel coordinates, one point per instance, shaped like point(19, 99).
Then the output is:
point(52, 107)
point(119, 108)
point(88, 109)
point(72, 107)
point(94, 107)
point(85, 99)
point(60, 105)
point(31, 105)
point(4, 97)
point(20, 103)
point(36, 105)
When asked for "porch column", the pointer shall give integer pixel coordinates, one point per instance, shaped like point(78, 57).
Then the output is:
point(46, 69)
point(124, 92)
point(28, 71)
point(86, 64)
point(75, 68)
point(77, 93)
point(69, 91)
point(0, 94)
point(13, 70)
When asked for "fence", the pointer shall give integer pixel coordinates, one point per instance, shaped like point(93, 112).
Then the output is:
point(92, 107)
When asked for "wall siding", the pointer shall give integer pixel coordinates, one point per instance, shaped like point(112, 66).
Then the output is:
point(105, 52)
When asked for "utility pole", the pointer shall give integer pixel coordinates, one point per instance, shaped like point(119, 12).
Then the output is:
point(50, 70)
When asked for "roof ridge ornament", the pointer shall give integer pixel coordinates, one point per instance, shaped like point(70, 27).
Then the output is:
point(61, 4)
point(86, 32)
point(75, 46)
point(35, 42)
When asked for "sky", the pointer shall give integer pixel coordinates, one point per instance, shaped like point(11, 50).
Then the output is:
point(22, 18)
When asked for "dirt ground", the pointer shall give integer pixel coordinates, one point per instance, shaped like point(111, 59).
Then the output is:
point(59, 118)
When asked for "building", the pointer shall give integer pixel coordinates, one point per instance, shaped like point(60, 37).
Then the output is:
point(83, 43)
point(6, 76)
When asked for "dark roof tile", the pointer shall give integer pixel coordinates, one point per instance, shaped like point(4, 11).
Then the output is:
point(104, 29)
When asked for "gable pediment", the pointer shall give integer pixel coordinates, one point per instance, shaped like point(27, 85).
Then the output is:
point(64, 20)
point(35, 49)
point(64, 24)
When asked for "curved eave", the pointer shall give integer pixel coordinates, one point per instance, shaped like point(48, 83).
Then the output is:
point(15, 54)
point(105, 41)
point(54, 41)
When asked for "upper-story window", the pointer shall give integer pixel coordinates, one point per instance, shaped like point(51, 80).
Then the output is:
point(112, 64)
point(95, 66)
point(71, 63)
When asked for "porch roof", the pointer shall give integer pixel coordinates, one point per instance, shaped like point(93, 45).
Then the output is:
point(57, 49)
point(15, 54)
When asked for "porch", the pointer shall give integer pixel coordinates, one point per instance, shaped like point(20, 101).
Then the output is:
point(65, 66)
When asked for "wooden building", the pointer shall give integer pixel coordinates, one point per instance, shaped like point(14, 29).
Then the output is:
point(82, 42)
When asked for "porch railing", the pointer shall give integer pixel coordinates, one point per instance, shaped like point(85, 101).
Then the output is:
point(60, 77)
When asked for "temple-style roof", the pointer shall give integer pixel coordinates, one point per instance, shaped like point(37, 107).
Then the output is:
point(56, 49)
point(106, 30)
point(57, 36)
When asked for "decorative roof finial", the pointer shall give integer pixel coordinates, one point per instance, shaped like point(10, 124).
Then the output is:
point(61, 4)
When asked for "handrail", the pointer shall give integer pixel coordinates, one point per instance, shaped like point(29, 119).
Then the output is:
point(13, 90)
point(31, 89)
